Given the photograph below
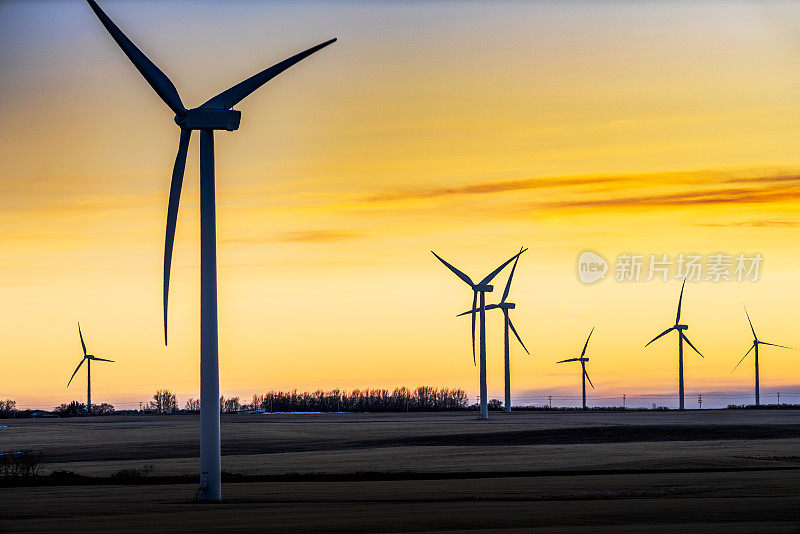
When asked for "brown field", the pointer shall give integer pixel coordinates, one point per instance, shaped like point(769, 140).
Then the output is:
point(737, 471)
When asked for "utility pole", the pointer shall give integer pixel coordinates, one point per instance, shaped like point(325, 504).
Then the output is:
point(624, 396)
point(700, 400)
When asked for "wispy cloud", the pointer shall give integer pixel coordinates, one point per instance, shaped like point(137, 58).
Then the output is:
point(762, 223)
point(306, 236)
point(319, 236)
point(651, 190)
point(774, 193)
point(495, 187)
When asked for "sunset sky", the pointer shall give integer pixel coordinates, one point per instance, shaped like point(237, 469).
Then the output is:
point(470, 129)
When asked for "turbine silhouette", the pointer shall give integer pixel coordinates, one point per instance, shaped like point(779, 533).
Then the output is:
point(504, 305)
point(88, 359)
point(215, 114)
point(481, 288)
point(754, 346)
point(584, 374)
point(681, 338)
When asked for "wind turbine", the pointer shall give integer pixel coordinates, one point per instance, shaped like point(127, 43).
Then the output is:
point(681, 338)
point(481, 288)
point(215, 114)
point(88, 359)
point(754, 346)
point(505, 306)
point(584, 374)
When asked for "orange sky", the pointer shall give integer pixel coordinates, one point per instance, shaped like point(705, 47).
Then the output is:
point(469, 129)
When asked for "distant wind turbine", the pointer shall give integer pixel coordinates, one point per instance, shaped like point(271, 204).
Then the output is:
point(681, 338)
point(481, 288)
point(584, 374)
point(505, 306)
point(215, 114)
point(88, 359)
point(754, 346)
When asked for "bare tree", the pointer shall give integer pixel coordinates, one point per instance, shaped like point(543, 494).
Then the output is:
point(192, 405)
point(230, 405)
point(7, 407)
point(163, 401)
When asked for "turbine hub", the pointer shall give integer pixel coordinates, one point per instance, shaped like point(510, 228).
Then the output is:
point(209, 119)
point(681, 327)
point(484, 288)
point(507, 305)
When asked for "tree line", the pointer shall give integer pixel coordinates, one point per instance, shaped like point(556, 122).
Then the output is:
point(423, 398)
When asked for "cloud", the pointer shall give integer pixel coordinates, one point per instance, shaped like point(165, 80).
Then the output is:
point(788, 191)
point(763, 223)
point(319, 236)
point(699, 188)
point(494, 187)
point(307, 236)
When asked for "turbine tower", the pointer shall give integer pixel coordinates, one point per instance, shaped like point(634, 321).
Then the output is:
point(505, 306)
point(681, 338)
point(215, 114)
point(584, 374)
point(481, 288)
point(754, 346)
point(88, 359)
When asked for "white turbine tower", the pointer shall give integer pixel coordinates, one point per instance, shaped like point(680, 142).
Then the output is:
point(754, 346)
point(505, 306)
point(584, 374)
point(681, 338)
point(481, 288)
point(215, 114)
point(88, 359)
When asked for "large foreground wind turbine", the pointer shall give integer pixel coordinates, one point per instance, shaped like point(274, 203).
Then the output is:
point(88, 359)
point(681, 338)
point(505, 306)
point(584, 374)
point(481, 288)
point(754, 346)
point(215, 114)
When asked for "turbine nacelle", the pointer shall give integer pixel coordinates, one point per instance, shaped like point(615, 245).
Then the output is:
point(681, 327)
point(484, 288)
point(209, 119)
point(507, 305)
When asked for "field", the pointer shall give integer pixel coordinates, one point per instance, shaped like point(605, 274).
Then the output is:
point(707, 471)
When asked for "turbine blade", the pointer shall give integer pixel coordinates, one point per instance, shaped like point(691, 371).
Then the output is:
point(517, 335)
point(76, 371)
point(101, 359)
point(743, 357)
point(570, 360)
point(458, 273)
point(680, 299)
point(229, 98)
point(587, 378)
point(82, 343)
point(157, 79)
point(476, 310)
point(686, 339)
point(751, 323)
point(587, 343)
point(172, 214)
point(510, 276)
point(665, 332)
point(474, 303)
point(496, 271)
point(774, 345)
